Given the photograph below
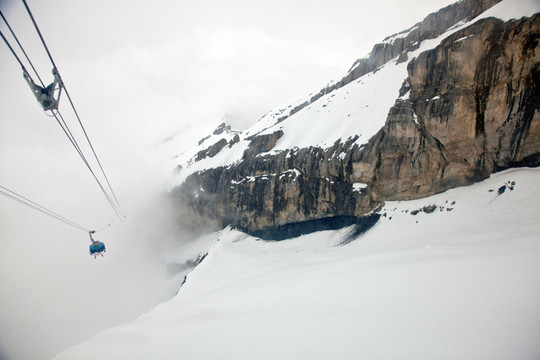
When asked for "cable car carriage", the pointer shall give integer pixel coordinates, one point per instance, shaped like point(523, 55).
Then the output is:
point(49, 96)
point(97, 247)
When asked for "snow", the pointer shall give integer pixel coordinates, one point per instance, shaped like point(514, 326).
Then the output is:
point(184, 144)
point(463, 38)
point(226, 157)
point(403, 34)
point(273, 116)
point(359, 108)
point(290, 173)
point(505, 10)
point(294, 173)
point(359, 186)
point(406, 95)
point(460, 282)
point(415, 118)
point(511, 9)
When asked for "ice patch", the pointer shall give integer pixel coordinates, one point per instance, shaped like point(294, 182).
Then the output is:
point(357, 187)
point(463, 38)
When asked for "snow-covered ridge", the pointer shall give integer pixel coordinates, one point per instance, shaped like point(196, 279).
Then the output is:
point(358, 108)
point(511, 9)
point(390, 39)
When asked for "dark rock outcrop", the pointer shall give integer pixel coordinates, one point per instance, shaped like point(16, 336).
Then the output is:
point(212, 150)
point(262, 143)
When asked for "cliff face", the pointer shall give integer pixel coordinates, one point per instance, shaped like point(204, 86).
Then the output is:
point(475, 99)
point(468, 107)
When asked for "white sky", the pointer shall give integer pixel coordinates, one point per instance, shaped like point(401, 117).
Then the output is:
point(138, 72)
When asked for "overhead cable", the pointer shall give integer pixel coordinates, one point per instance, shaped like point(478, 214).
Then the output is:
point(10, 48)
point(39, 32)
point(117, 207)
point(60, 119)
point(22, 49)
point(111, 198)
point(31, 204)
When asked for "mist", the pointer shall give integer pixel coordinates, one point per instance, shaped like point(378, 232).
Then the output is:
point(140, 72)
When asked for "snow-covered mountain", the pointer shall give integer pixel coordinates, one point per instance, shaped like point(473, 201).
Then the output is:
point(444, 104)
point(456, 280)
point(408, 197)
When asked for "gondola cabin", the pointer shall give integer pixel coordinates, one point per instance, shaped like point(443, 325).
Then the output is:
point(97, 248)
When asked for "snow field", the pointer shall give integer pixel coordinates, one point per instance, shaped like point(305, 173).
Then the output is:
point(458, 284)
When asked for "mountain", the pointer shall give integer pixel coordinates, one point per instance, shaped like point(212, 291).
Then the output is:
point(404, 193)
point(442, 104)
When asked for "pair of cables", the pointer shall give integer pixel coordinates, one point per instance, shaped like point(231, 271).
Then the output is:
point(42, 209)
point(105, 186)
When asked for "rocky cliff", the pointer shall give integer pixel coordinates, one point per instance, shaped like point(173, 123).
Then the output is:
point(468, 107)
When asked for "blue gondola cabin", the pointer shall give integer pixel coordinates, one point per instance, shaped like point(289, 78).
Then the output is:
point(97, 248)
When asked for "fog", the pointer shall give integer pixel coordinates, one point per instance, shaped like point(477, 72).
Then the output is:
point(139, 72)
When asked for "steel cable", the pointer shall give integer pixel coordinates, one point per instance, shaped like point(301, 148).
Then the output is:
point(22, 49)
point(73, 141)
point(33, 205)
point(115, 204)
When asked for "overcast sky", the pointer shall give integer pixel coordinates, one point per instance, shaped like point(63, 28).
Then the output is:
point(139, 71)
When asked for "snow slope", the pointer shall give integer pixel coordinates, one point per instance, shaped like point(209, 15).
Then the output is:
point(461, 282)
